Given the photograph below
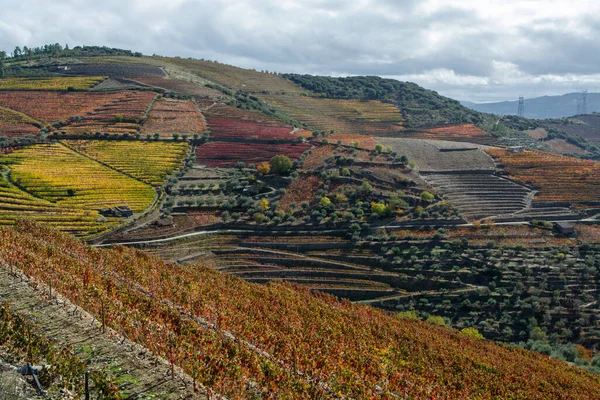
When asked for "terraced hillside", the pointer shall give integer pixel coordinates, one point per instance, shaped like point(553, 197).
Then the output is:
point(438, 155)
point(150, 162)
point(16, 204)
point(181, 86)
point(480, 196)
point(325, 263)
point(467, 178)
point(231, 123)
point(434, 271)
point(122, 114)
point(250, 340)
point(457, 133)
point(54, 184)
point(341, 116)
point(557, 178)
point(112, 67)
point(16, 124)
point(236, 78)
point(168, 117)
point(53, 83)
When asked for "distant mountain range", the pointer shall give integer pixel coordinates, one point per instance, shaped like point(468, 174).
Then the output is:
point(566, 105)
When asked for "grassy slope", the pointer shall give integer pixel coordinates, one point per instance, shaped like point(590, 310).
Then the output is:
point(343, 349)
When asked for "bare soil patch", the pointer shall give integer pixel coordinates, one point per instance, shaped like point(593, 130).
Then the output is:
point(562, 146)
point(439, 155)
point(537, 133)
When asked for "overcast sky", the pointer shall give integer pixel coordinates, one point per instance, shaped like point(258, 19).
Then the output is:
point(468, 50)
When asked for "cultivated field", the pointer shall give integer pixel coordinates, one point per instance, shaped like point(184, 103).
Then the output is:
point(169, 116)
point(149, 162)
point(228, 154)
point(181, 86)
point(557, 178)
point(111, 69)
point(456, 133)
point(303, 188)
point(61, 176)
point(123, 114)
point(230, 123)
point(237, 78)
point(62, 83)
point(55, 106)
point(341, 116)
point(15, 124)
point(363, 141)
point(275, 333)
point(16, 204)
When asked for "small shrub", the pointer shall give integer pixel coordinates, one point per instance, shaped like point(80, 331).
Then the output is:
point(472, 333)
point(436, 320)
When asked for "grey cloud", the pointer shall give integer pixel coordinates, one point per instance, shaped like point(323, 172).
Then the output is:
point(369, 37)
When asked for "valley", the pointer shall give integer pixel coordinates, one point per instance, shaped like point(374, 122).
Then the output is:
point(244, 227)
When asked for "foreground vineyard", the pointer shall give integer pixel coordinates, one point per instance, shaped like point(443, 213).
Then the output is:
point(241, 339)
point(22, 342)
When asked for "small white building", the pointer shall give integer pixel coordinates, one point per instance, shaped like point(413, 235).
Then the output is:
point(516, 149)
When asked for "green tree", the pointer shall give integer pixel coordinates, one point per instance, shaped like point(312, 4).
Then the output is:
point(259, 217)
point(365, 188)
point(325, 202)
point(537, 334)
point(427, 197)
point(281, 164)
point(382, 209)
point(2, 57)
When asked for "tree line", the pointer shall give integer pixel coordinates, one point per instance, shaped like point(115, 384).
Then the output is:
point(57, 50)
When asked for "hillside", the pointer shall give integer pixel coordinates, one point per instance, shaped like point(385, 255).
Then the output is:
point(544, 107)
point(240, 339)
point(419, 106)
point(584, 126)
point(378, 192)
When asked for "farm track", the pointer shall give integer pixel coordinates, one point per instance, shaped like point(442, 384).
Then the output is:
point(143, 374)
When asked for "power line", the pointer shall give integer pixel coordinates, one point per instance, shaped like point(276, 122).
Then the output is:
point(521, 109)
